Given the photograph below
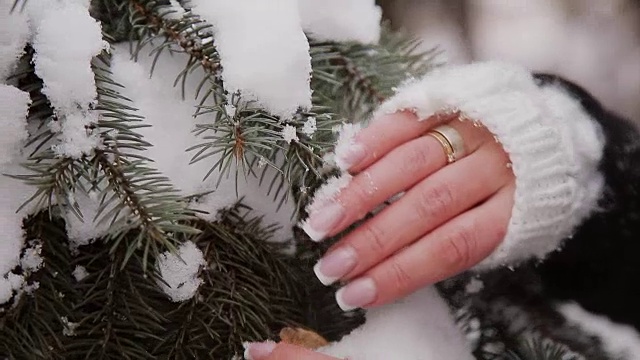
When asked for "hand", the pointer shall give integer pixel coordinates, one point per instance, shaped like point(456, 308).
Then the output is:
point(451, 217)
point(282, 351)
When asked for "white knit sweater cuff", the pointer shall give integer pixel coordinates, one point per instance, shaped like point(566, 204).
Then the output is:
point(554, 147)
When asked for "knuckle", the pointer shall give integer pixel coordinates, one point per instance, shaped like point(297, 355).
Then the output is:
point(400, 277)
point(416, 159)
point(459, 248)
point(433, 201)
point(375, 238)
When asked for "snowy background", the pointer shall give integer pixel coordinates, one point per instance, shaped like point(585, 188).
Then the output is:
point(595, 43)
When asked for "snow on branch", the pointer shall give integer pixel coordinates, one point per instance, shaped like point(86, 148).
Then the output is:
point(66, 40)
point(14, 33)
point(263, 51)
point(340, 20)
point(14, 105)
point(179, 272)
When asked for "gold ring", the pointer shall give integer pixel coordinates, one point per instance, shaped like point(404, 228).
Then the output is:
point(451, 141)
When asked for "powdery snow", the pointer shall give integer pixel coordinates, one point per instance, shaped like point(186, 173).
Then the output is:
point(14, 105)
point(32, 258)
point(14, 33)
point(289, 134)
point(345, 144)
point(180, 272)
point(310, 126)
point(322, 197)
point(66, 40)
point(79, 273)
point(69, 327)
point(263, 50)
point(418, 327)
point(171, 133)
point(620, 341)
point(328, 192)
point(172, 123)
point(83, 231)
point(8, 284)
point(340, 20)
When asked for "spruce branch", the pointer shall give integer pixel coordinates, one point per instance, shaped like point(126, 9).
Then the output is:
point(191, 33)
point(247, 138)
point(352, 79)
point(120, 313)
point(55, 178)
point(33, 327)
point(133, 195)
point(144, 199)
point(250, 291)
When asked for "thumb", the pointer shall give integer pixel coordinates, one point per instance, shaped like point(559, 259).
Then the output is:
point(269, 350)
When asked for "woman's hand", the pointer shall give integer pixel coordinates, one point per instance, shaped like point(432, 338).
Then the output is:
point(450, 218)
point(282, 351)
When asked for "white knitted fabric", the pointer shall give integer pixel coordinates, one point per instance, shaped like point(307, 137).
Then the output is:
point(553, 144)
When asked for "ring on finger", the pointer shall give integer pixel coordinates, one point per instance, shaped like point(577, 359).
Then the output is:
point(451, 141)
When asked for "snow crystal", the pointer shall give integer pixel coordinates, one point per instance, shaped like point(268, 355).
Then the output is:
point(419, 326)
point(66, 40)
point(345, 143)
point(263, 50)
point(180, 272)
point(289, 133)
point(29, 289)
point(79, 273)
point(14, 105)
point(309, 128)
point(14, 33)
point(620, 341)
point(69, 327)
point(8, 284)
point(339, 20)
point(474, 286)
point(31, 259)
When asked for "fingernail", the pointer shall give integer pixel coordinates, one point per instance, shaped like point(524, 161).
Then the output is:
point(322, 221)
point(350, 156)
point(335, 265)
point(258, 350)
point(356, 294)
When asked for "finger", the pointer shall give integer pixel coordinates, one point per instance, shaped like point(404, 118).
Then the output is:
point(381, 136)
point(281, 351)
point(452, 248)
point(397, 171)
point(445, 194)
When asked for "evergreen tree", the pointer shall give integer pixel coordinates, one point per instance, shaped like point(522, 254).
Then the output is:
point(108, 258)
